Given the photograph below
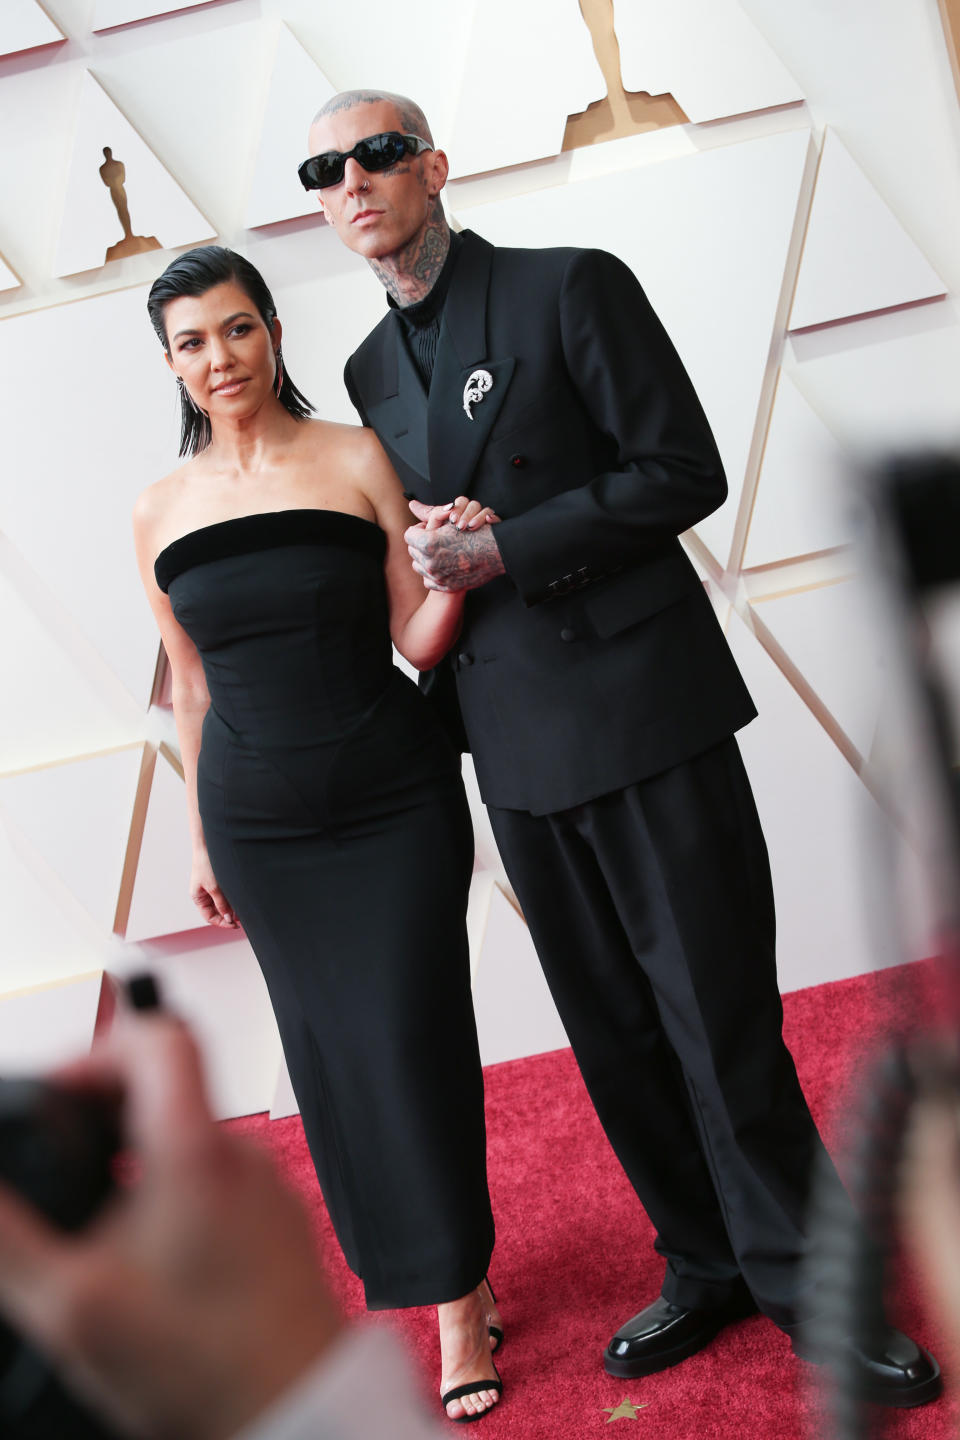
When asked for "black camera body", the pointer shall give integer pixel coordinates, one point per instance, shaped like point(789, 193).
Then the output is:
point(57, 1150)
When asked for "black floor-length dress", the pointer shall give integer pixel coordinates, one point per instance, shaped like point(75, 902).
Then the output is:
point(337, 827)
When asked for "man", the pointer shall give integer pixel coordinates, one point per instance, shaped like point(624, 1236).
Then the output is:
point(600, 702)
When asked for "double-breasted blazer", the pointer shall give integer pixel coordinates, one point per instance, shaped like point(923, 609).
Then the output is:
point(597, 659)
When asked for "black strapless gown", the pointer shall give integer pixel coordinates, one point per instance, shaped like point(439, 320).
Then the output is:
point(337, 827)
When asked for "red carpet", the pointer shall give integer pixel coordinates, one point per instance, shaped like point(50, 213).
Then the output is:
point(574, 1257)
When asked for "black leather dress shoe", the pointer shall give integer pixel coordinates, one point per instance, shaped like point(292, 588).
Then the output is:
point(892, 1370)
point(664, 1334)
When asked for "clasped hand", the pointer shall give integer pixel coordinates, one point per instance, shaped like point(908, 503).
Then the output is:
point(452, 547)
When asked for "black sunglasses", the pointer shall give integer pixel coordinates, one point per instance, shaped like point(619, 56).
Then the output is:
point(376, 152)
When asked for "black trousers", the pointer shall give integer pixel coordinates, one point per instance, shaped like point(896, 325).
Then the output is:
point(652, 912)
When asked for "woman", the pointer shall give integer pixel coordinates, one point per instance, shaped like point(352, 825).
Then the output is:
point(326, 808)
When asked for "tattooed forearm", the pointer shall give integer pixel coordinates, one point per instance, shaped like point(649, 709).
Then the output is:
point(455, 559)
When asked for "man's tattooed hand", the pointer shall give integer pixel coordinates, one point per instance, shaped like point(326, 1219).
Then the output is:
point(452, 559)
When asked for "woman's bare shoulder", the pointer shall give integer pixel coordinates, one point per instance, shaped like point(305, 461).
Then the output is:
point(153, 503)
point(322, 434)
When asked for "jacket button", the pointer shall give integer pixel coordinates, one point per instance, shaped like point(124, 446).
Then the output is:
point(465, 659)
point(567, 634)
point(518, 461)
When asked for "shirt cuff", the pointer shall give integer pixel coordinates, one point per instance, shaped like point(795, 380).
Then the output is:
point(362, 1385)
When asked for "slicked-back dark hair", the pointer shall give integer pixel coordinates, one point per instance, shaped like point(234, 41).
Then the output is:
point(194, 273)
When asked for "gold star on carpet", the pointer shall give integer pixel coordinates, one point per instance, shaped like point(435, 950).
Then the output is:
point(626, 1410)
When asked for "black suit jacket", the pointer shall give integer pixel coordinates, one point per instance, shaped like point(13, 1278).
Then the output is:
point(597, 659)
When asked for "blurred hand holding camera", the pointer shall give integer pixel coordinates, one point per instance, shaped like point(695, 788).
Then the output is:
point(195, 1298)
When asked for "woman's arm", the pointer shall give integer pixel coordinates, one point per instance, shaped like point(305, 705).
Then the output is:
point(424, 623)
point(190, 703)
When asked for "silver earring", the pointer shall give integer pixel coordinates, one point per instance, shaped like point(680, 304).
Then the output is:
point(184, 392)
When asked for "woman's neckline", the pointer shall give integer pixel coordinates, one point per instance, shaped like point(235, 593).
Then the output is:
point(264, 514)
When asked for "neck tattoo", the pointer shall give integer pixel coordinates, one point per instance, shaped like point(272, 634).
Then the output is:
point(411, 272)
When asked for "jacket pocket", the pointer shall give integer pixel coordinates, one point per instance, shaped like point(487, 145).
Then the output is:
point(636, 594)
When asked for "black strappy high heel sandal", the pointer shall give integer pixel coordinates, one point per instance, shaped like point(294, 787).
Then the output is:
point(496, 1333)
point(474, 1388)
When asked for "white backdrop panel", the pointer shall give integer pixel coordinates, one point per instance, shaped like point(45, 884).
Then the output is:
point(23, 26)
point(51, 706)
point(515, 1010)
point(67, 487)
point(161, 903)
point(77, 816)
point(799, 507)
point(48, 1026)
point(879, 74)
point(8, 281)
point(888, 382)
point(158, 206)
point(857, 257)
point(706, 53)
point(37, 105)
point(527, 118)
point(219, 78)
point(371, 45)
point(827, 634)
point(214, 982)
point(298, 87)
point(325, 312)
point(817, 817)
point(40, 939)
point(124, 12)
point(707, 236)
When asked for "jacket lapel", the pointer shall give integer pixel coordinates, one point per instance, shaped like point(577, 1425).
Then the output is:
point(455, 437)
point(400, 415)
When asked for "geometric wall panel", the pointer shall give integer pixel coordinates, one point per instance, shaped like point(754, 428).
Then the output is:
point(711, 261)
point(706, 53)
point(45, 935)
point(49, 1025)
point(124, 12)
point(298, 87)
point(214, 983)
point(77, 816)
point(52, 707)
point(8, 281)
point(534, 99)
point(24, 26)
point(857, 257)
point(67, 489)
point(817, 816)
point(827, 634)
point(335, 296)
point(161, 903)
point(801, 500)
point(890, 381)
point(508, 965)
point(134, 206)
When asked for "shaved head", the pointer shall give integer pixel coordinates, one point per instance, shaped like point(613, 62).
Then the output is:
point(390, 214)
point(411, 117)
